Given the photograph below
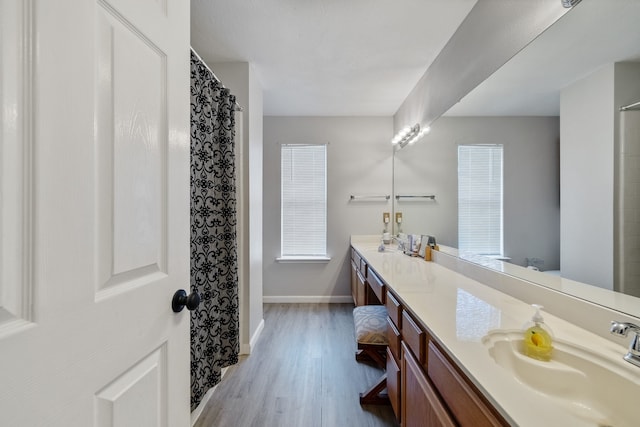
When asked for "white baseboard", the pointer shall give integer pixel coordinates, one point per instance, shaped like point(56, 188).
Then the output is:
point(195, 414)
point(256, 334)
point(319, 299)
point(246, 348)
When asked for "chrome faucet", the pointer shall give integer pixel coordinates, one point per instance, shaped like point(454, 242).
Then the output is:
point(622, 329)
point(401, 243)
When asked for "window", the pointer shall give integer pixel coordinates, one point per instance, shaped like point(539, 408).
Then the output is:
point(304, 201)
point(480, 199)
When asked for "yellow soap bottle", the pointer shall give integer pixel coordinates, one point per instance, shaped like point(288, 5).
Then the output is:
point(538, 338)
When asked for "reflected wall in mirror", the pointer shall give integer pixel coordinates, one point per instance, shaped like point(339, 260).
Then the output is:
point(530, 182)
point(555, 108)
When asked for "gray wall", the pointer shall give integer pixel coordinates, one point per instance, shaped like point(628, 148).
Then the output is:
point(531, 182)
point(359, 162)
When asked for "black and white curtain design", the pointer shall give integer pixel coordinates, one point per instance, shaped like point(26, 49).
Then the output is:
point(214, 259)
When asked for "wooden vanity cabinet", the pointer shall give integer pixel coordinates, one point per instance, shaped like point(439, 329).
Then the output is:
point(425, 386)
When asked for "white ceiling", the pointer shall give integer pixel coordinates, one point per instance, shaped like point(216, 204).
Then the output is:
point(363, 57)
point(328, 57)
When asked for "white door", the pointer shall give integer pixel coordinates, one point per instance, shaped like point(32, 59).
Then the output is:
point(94, 212)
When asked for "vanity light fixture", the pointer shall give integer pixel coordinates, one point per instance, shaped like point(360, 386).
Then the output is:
point(409, 135)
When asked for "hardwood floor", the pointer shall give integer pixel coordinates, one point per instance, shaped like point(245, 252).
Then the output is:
point(302, 373)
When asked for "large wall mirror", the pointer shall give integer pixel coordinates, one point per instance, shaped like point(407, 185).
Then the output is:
point(554, 108)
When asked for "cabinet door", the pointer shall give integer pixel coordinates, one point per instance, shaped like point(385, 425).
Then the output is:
point(377, 287)
point(414, 336)
point(394, 308)
point(393, 383)
point(462, 400)
point(394, 338)
point(420, 403)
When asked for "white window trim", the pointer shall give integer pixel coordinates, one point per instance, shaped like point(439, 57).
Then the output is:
point(304, 259)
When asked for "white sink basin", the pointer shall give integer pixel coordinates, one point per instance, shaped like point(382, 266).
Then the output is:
point(587, 384)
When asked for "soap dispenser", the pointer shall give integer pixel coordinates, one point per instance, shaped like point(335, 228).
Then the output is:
point(538, 338)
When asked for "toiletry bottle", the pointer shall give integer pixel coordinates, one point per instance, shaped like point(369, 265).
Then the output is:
point(538, 338)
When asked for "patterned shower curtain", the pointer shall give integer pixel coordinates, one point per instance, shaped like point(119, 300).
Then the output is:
point(214, 259)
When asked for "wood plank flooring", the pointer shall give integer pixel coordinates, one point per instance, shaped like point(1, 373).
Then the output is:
point(302, 373)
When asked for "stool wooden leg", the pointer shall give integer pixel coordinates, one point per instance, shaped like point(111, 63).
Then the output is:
point(372, 355)
point(374, 395)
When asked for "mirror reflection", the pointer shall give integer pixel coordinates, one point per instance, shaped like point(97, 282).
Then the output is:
point(568, 157)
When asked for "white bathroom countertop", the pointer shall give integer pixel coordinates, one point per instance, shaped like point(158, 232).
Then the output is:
point(458, 312)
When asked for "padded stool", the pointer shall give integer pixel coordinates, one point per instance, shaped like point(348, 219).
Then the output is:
point(371, 334)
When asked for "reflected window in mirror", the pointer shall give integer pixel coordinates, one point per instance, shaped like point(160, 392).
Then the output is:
point(480, 206)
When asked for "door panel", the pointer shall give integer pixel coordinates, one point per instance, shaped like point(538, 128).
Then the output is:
point(15, 169)
point(118, 404)
point(95, 208)
point(132, 136)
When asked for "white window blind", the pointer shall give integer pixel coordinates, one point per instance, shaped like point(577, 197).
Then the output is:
point(304, 200)
point(480, 199)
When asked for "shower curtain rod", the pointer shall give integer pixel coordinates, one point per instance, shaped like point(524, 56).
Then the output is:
point(635, 105)
point(238, 107)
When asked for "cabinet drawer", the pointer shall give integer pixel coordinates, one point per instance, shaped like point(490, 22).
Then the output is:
point(354, 282)
point(393, 383)
point(377, 286)
point(464, 402)
point(395, 310)
point(393, 336)
point(414, 336)
point(357, 259)
point(363, 267)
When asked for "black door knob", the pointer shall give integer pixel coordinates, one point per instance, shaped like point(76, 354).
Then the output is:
point(181, 299)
